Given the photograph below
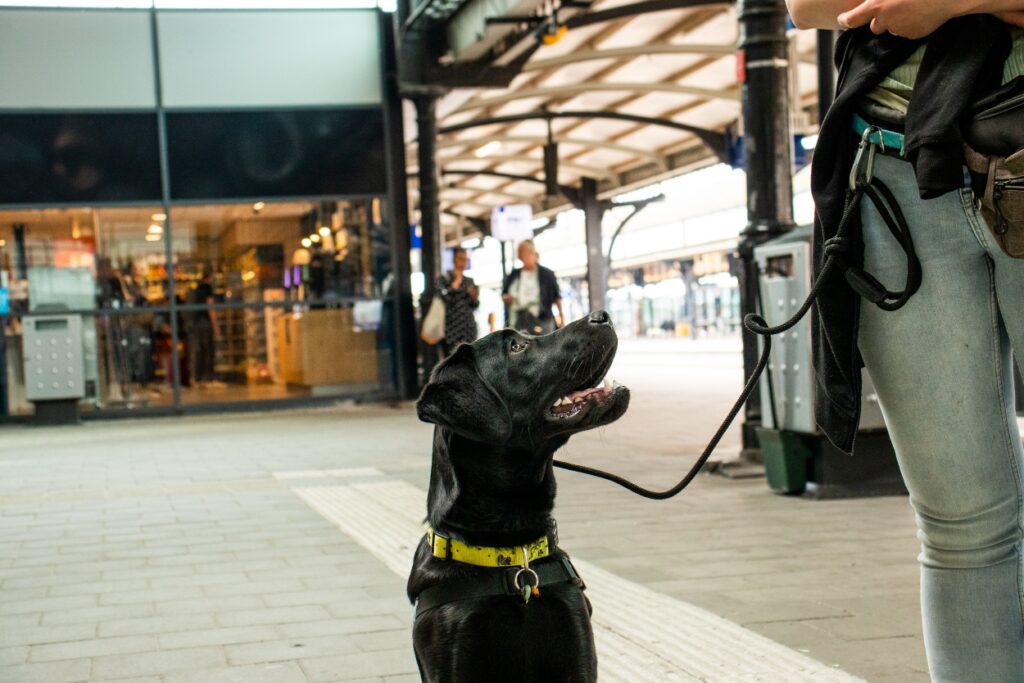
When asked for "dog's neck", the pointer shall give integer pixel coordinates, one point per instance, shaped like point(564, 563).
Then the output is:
point(491, 495)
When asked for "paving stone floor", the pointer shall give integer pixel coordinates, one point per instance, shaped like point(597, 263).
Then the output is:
point(167, 551)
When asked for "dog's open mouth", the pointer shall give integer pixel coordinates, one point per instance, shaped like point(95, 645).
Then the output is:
point(577, 402)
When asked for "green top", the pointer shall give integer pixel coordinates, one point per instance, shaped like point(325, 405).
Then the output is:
point(895, 89)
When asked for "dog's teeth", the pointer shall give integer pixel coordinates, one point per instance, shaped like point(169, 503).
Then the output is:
point(609, 384)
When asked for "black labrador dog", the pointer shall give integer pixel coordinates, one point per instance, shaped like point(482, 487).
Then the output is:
point(496, 599)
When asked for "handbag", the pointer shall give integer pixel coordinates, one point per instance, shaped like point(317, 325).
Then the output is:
point(994, 152)
point(432, 330)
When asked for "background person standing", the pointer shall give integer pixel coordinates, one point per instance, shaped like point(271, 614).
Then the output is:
point(461, 297)
point(529, 292)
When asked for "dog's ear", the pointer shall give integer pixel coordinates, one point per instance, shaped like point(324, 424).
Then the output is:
point(459, 398)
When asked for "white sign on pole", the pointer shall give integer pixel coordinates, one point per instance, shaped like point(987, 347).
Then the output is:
point(512, 223)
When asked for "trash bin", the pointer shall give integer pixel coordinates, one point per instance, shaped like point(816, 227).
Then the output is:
point(797, 456)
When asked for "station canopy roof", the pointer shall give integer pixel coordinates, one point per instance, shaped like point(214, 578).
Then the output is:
point(621, 57)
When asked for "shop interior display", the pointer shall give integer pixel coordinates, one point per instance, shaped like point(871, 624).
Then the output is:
point(264, 295)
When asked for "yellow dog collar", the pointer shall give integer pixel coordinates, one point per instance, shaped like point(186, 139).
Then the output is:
point(484, 556)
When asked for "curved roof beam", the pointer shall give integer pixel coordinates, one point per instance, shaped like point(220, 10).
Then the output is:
point(592, 171)
point(541, 140)
point(571, 193)
point(713, 139)
point(632, 51)
point(583, 88)
point(479, 192)
point(633, 9)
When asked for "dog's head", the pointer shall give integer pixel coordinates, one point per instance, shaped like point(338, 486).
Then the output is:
point(517, 390)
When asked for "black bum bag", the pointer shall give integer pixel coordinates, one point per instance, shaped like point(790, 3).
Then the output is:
point(994, 152)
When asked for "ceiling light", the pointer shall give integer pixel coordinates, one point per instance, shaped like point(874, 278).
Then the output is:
point(324, 231)
point(152, 238)
point(306, 242)
point(158, 217)
point(259, 206)
point(314, 238)
point(809, 142)
point(488, 149)
point(155, 229)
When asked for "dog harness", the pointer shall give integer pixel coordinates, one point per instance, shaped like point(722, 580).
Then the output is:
point(513, 575)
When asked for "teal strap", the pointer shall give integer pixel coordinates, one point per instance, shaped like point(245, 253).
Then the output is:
point(888, 139)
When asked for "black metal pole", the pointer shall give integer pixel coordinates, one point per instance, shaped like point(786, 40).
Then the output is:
point(3, 366)
point(826, 71)
point(504, 276)
point(430, 207)
point(768, 159)
point(404, 317)
point(165, 202)
point(597, 275)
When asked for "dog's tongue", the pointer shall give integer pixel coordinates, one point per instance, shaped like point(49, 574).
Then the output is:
point(583, 394)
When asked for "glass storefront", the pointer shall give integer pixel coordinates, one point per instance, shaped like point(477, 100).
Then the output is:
point(694, 298)
point(219, 304)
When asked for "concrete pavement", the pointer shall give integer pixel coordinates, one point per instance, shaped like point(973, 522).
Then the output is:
point(223, 548)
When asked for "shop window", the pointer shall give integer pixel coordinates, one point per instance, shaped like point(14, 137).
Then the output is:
point(282, 300)
point(71, 158)
point(224, 155)
point(83, 259)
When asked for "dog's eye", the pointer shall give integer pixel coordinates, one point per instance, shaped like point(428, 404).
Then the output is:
point(518, 346)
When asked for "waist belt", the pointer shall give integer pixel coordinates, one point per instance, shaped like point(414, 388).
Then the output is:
point(890, 142)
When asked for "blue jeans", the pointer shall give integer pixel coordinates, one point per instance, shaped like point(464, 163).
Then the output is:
point(942, 369)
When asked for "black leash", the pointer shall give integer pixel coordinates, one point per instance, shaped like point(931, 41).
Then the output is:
point(861, 185)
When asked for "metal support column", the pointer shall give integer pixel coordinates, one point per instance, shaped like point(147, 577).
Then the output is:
point(826, 71)
point(430, 209)
point(597, 275)
point(768, 159)
point(403, 315)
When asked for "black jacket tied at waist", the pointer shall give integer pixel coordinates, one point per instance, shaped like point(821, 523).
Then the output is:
point(963, 61)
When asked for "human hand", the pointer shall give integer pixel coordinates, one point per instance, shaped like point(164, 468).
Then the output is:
point(906, 18)
point(1015, 18)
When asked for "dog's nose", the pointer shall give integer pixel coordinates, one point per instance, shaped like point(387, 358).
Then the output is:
point(599, 318)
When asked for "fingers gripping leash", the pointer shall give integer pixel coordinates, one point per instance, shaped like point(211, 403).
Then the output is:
point(835, 252)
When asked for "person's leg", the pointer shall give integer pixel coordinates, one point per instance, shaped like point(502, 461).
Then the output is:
point(195, 358)
point(940, 366)
point(208, 351)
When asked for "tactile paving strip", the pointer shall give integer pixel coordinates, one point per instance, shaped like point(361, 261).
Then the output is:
point(641, 635)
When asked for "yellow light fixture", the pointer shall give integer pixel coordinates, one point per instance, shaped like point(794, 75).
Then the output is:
point(553, 34)
point(259, 206)
point(314, 238)
point(158, 217)
point(248, 275)
point(152, 238)
point(155, 229)
point(324, 231)
point(306, 242)
point(3, 243)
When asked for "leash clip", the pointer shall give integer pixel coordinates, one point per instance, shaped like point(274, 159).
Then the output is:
point(866, 143)
point(526, 589)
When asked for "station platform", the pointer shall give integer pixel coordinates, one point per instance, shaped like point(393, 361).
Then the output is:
point(273, 547)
